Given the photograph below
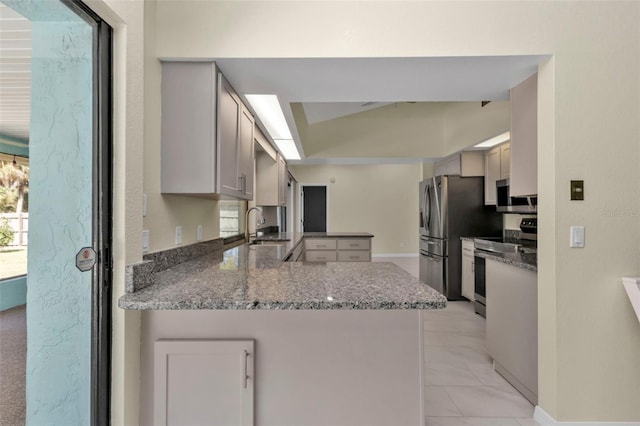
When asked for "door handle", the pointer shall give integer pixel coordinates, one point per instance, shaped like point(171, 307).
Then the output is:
point(245, 371)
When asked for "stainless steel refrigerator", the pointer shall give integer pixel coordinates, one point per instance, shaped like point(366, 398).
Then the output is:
point(451, 207)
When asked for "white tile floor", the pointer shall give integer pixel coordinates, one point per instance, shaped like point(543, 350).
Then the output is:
point(461, 387)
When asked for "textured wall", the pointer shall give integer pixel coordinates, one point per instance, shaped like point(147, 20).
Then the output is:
point(59, 295)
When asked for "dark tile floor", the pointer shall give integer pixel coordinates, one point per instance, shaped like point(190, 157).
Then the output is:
point(13, 355)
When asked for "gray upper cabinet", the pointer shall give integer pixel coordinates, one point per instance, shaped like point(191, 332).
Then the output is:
point(271, 175)
point(497, 166)
point(207, 134)
point(524, 138)
point(246, 159)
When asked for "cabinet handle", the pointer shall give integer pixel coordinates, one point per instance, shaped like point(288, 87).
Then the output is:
point(321, 257)
point(473, 266)
point(354, 245)
point(322, 245)
point(354, 257)
point(245, 373)
point(242, 183)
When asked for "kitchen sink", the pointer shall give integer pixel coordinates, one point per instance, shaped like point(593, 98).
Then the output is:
point(268, 243)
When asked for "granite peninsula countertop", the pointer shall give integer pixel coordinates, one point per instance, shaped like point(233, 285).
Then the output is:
point(254, 276)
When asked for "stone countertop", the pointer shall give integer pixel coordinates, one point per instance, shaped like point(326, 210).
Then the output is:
point(255, 277)
point(526, 260)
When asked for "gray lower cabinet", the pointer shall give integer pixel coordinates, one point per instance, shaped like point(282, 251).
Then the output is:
point(338, 249)
point(512, 325)
point(203, 382)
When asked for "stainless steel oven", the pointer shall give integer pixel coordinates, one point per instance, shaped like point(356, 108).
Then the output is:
point(480, 304)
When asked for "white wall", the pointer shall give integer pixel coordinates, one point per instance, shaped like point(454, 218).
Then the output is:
point(588, 94)
point(380, 199)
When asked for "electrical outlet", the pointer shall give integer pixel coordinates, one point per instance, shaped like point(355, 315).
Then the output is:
point(401, 244)
point(178, 235)
point(199, 233)
point(145, 241)
point(144, 205)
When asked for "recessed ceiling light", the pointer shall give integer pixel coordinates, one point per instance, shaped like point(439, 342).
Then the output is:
point(496, 140)
point(288, 148)
point(268, 109)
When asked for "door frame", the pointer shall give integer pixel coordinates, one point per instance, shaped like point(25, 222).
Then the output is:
point(300, 218)
point(102, 212)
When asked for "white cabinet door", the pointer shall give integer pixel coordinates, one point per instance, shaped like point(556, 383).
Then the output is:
point(282, 181)
point(229, 106)
point(468, 278)
point(524, 138)
point(246, 163)
point(271, 180)
point(203, 382)
point(492, 174)
point(188, 136)
point(505, 160)
point(497, 166)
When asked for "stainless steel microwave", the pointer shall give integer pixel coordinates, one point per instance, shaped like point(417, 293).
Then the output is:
point(507, 204)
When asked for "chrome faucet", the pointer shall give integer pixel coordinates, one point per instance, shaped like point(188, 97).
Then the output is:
point(246, 222)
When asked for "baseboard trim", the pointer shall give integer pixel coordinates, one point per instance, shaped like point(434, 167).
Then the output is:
point(542, 417)
point(395, 255)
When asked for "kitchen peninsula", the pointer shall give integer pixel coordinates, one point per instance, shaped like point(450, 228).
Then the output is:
point(314, 342)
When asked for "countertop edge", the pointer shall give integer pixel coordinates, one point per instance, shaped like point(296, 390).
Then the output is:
point(279, 306)
point(509, 261)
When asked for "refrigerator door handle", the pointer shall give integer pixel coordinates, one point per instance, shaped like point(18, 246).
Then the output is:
point(436, 258)
point(438, 209)
point(427, 206)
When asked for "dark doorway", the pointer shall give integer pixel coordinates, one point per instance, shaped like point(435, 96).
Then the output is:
point(314, 208)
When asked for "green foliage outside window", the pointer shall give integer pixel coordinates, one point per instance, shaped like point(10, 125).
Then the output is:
point(6, 233)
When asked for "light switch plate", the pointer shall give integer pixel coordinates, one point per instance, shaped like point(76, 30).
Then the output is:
point(199, 233)
point(576, 238)
point(577, 190)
